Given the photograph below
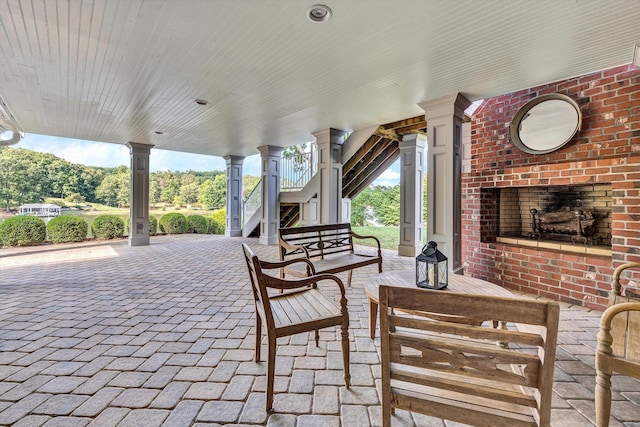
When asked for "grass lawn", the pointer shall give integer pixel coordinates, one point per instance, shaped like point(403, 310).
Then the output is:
point(389, 236)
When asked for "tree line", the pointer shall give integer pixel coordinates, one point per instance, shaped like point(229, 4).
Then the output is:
point(28, 176)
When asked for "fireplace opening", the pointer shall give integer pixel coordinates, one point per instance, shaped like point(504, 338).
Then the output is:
point(571, 214)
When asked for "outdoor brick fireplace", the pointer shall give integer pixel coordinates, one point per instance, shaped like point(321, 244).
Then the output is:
point(596, 177)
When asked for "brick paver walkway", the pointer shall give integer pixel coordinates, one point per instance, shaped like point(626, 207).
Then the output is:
point(162, 335)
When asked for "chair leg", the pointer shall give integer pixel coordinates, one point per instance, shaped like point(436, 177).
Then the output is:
point(271, 370)
point(258, 337)
point(317, 336)
point(344, 331)
point(603, 399)
point(349, 278)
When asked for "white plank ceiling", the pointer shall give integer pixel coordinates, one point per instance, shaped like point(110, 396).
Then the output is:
point(122, 70)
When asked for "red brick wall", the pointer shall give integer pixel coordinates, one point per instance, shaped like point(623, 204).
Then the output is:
point(605, 150)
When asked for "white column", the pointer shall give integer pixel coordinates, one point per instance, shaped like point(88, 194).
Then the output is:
point(444, 163)
point(234, 196)
point(270, 221)
point(329, 143)
point(411, 193)
point(139, 194)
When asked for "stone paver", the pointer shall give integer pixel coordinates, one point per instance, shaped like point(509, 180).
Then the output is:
point(163, 335)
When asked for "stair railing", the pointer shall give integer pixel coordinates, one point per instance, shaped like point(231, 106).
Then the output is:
point(252, 203)
point(298, 169)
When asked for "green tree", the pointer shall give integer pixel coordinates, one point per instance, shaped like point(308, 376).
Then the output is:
point(220, 192)
point(169, 186)
point(359, 206)
point(20, 177)
point(206, 193)
point(154, 188)
point(114, 189)
point(189, 188)
point(388, 212)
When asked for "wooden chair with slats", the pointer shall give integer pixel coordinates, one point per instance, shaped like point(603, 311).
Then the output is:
point(291, 306)
point(618, 343)
point(468, 373)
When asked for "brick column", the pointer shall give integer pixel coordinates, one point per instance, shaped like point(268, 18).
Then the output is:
point(139, 194)
point(234, 196)
point(444, 167)
point(411, 192)
point(270, 221)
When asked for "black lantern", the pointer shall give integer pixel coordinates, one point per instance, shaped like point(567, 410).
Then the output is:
point(432, 268)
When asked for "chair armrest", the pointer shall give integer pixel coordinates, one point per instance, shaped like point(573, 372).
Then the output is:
point(615, 283)
point(611, 312)
point(286, 284)
point(358, 236)
point(271, 265)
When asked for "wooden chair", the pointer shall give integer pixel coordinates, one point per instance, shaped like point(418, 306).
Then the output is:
point(292, 306)
point(618, 344)
point(467, 373)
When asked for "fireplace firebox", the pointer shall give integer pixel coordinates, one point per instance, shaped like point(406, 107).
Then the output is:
point(573, 214)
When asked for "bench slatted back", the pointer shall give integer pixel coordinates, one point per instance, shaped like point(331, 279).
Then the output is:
point(318, 240)
point(481, 375)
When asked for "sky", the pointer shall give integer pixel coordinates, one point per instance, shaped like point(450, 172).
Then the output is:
point(104, 154)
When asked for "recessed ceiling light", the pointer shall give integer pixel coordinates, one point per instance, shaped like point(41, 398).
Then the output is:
point(201, 102)
point(319, 13)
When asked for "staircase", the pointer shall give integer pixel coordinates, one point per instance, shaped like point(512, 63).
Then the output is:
point(366, 155)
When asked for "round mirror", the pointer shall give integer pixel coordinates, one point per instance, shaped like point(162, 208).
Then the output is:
point(545, 123)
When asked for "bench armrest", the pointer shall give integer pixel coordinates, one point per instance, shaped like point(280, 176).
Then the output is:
point(288, 247)
point(358, 236)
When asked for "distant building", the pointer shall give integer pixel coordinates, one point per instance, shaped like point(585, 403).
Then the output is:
point(39, 209)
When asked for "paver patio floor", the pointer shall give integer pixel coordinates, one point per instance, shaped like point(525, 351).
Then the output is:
point(107, 335)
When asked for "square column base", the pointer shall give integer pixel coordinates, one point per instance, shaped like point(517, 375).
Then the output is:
point(138, 240)
point(268, 241)
point(412, 251)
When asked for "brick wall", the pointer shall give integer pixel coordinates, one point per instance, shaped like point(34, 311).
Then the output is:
point(605, 151)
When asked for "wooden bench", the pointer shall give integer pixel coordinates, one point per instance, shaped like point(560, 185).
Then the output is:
point(471, 374)
point(329, 247)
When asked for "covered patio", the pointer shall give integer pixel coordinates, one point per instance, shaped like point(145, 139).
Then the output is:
point(107, 334)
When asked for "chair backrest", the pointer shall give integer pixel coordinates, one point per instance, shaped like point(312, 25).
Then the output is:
point(617, 296)
point(260, 293)
point(479, 374)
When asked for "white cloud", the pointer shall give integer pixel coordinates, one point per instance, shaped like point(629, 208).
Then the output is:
point(390, 177)
point(102, 154)
point(89, 153)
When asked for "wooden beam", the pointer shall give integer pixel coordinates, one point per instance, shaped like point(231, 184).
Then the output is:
point(361, 153)
point(369, 158)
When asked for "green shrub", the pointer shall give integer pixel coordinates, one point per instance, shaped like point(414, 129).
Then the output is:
point(153, 225)
point(214, 227)
point(67, 229)
point(197, 224)
point(107, 227)
point(218, 221)
point(173, 223)
point(22, 230)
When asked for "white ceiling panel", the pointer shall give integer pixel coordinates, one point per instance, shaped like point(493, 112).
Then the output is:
point(122, 70)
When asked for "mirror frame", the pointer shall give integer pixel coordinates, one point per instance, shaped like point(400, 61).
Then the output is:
point(514, 128)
